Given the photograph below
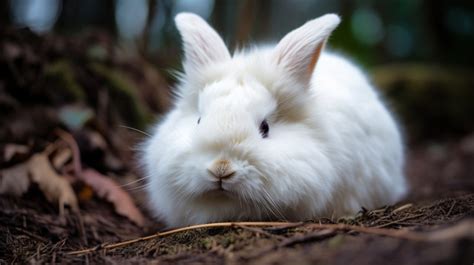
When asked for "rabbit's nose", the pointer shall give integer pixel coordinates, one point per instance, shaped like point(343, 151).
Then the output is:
point(221, 169)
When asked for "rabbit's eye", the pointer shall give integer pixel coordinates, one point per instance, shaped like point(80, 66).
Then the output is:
point(264, 129)
point(199, 120)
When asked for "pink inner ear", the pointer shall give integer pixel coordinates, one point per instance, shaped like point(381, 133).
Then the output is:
point(315, 58)
point(300, 50)
point(302, 67)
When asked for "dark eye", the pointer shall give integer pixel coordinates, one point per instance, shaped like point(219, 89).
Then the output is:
point(199, 120)
point(264, 129)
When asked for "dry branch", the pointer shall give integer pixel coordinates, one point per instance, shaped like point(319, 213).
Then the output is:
point(465, 228)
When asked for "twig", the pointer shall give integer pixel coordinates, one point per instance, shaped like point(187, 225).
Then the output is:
point(288, 242)
point(462, 229)
point(284, 227)
point(318, 235)
point(465, 228)
point(403, 207)
point(174, 231)
point(259, 231)
point(400, 220)
point(451, 208)
point(39, 238)
point(81, 228)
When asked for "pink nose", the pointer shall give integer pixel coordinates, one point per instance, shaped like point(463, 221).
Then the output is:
point(221, 169)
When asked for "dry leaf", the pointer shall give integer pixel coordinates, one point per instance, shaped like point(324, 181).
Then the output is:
point(104, 186)
point(10, 150)
point(86, 193)
point(15, 180)
point(96, 139)
point(55, 187)
point(62, 156)
point(108, 189)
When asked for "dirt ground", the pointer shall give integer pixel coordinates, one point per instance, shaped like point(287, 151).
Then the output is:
point(433, 225)
point(442, 199)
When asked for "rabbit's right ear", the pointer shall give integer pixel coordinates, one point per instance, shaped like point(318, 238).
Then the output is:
point(298, 52)
point(202, 45)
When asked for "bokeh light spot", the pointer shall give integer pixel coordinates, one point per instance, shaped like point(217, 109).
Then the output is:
point(367, 26)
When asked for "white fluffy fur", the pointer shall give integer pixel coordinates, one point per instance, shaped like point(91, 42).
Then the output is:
point(332, 146)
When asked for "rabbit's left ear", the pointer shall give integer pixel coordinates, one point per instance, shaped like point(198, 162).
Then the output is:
point(202, 45)
point(298, 52)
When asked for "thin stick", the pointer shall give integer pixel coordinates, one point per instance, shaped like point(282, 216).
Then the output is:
point(320, 235)
point(259, 231)
point(403, 207)
point(291, 241)
point(451, 208)
point(39, 238)
point(403, 234)
point(462, 229)
point(400, 220)
point(465, 228)
point(174, 231)
point(284, 227)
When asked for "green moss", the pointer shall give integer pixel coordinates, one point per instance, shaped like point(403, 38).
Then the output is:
point(207, 243)
point(429, 99)
point(336, 241)
point(123, 94)
point(60, 75)
point(227, 241)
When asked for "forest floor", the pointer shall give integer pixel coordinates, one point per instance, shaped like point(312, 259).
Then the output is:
point(434, 224)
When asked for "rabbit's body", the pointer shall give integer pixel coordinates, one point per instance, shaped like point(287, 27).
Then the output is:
point(254, 137)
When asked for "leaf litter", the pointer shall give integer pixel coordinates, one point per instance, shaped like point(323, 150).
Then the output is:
point(108, 189)
point(17, 180)
point(55, 187)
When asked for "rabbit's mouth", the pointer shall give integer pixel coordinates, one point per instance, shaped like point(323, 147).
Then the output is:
point(219, 189)
point(218, 193)
point(220, 186)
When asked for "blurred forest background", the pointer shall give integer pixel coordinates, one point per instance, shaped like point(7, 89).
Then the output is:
point(78, 77)
point(419, 52)
point(374, 32)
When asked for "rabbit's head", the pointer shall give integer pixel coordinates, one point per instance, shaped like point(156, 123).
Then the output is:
point(237, 141)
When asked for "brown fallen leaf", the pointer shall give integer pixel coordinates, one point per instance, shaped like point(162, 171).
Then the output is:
point(15, 180)
point(104, 186)
point(86, 193)
point(108, 189)
point(55, 187)
point(63, 155)
point(11, 150)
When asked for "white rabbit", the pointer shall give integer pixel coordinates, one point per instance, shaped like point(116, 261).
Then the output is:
point(286, 132)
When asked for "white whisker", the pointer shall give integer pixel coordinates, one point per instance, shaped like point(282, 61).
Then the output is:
point(132, 182)
point(135, 129)
point(141, 187)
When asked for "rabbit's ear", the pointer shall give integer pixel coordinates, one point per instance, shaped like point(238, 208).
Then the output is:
point(298, 52)
point(202, 45)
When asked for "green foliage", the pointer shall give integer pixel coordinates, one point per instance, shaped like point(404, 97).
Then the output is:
point(123, 94)
point(60, 76)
